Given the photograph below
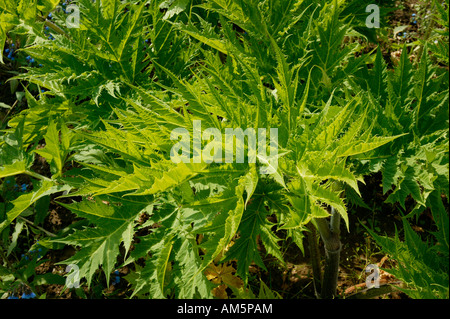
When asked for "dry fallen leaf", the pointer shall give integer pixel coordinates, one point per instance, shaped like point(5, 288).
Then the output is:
point(220, 292)
point(223, 274)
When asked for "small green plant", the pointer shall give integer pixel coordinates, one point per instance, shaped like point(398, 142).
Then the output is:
point(422, 265)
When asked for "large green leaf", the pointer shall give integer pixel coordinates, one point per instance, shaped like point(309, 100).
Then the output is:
point(57, 148)
point(113, 224)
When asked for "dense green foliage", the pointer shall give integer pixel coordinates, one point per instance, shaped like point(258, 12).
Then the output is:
point(117, 86)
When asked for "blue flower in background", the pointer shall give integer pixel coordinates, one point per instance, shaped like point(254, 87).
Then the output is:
point(31, 295)
point(116, 279)
point(23, 187)
point(13, 297)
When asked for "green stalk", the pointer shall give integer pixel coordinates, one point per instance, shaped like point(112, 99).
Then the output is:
point(313, 241)
point(37, 176)
point(38, 227)
point(2, 255)
point(52, 26)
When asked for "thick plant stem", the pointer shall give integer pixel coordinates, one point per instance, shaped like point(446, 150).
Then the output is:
point(329, 233)
point(330, 275)
point(315, 258)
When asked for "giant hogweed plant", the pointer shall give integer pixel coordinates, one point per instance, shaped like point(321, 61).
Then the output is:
point(114, 99)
